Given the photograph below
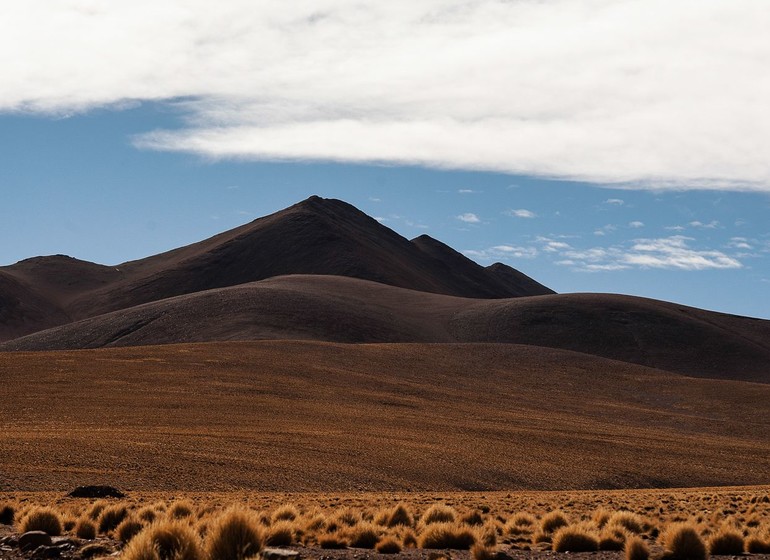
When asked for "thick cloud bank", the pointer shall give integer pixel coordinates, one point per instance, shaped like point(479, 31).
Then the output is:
point(643, 93)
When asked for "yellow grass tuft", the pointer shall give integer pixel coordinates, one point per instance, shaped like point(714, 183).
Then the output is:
point(111, 517)
point(447, 535)
point(364, 535)
point(280, 533)
point(128, 529)
point(235, 535)
point(165, 540)
point(43, 519)
point(726, 542)
point(287, 512)
point(481, 552)
point(438, 513)
point(636, 549)
point(331, 541)
point(388, 545)
point(575, 538)
point(553, 521)
point(85, 528)
point(683, 542)
point(400, 515)
point(7, 514)
point(181, 509)
point(629, 521)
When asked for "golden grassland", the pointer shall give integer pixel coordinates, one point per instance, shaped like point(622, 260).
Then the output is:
point(311, 416)
point(672, 523)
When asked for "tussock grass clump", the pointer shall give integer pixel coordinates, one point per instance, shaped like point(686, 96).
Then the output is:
point(280, 534)
point(481, 552)
point(755, 544)
point(726, 541)
point(364, 535)
point(601, 516)
point(287, 512)
point(165, 540)
point(316, 523)
point(97, 508)
point(473, 518)
point(181, 509)
point(553, 521)
point(409, 539)
point(388, 545)
point(43, 519)
point(522, 519)
point(683, 542)
point(147, 514)
point(613, 538)
point(636, 549)
point(330, 541)
point(438, 513)
point(128, 529)
point(7, 514)
point(346, 516)
point(629, 521)
point(68, 522)
point(234, 535)
point(447, 535)
point(575, 538)
point(85, 528)
point(400, 515)
point(111, 517)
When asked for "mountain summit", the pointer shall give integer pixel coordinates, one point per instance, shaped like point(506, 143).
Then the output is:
point(317, 236)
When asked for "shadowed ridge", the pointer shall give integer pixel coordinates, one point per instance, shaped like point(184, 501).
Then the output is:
point(23, 310)
point(647, 332)
point(487, 283)
point(518, 280)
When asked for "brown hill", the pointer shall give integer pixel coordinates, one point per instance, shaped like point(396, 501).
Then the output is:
point(316, 236)
point(292, 416)
point(337, 309)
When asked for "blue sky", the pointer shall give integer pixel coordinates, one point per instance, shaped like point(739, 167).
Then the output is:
point(622, 157)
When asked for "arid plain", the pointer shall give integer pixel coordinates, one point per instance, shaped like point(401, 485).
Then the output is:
point(316, 358)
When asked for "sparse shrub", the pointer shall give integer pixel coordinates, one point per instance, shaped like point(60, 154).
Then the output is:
point(235, 535)
point(553, 521)
point(726, 542)
point(574, 538)
point(473, 518)
point(447, 535)
point(332, 542)
point(364, 535)
point(128, 529)
point(628, 520)
point(600, 517)
point(388, 545)
point(96, 509)
point(280, 534)
point(85, 528)
point(612, 538)
point(287, 512)
point(757, 545)
point(42, 519)
point(683, 542)
point(636, 548)
point(181, 509)
point(165, 540)
point(147, 514)
point(111, 518)
point(438, 513)
point(400, 516)
point(481, 552)
point(7, 514)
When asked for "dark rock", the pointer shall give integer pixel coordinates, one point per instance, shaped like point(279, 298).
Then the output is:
point(96, 492)
point(50, 551)
point(33, 539)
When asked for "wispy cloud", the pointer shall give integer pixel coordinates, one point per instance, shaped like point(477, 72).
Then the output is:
point(502, 252)
point(614, 202)
point(469, 218)
point(663, 253)
point(713, 224)
point(466, 191)
point(541, 88)
point(636, 224)
point(520, 213)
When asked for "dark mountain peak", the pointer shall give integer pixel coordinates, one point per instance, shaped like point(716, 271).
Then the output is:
point(513, 277)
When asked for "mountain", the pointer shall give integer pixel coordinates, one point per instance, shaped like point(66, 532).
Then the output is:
point(641, 331)
point(315, 236)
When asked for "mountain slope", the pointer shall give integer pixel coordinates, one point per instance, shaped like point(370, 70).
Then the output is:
point(316, 236)
point(337, 309)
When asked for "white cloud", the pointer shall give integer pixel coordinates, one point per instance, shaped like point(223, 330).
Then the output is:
point(604, 230)
point(614, 202)
point(466, 191)
point(520, 213)
point(713, 224)
point(636, 224)
point(502, 252)
point(665, 253)
point(634, 93)
point(469, 218)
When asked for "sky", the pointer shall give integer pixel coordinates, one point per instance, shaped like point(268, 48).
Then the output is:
point(596, 145)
